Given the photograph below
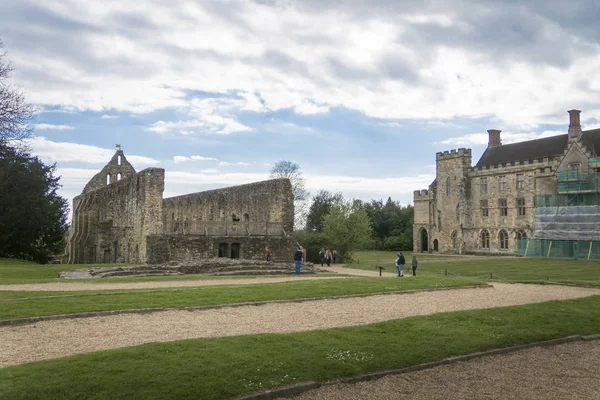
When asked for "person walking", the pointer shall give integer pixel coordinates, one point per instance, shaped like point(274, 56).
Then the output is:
point(400, 261)
point(298, 256)
point(268, 254)
point(328, 257)
point(322, 256)
point(334, 256)
point(414, 265)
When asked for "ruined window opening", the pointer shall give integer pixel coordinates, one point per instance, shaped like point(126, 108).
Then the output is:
point(484, 185)
point(119, 176)
point(503, 237)
point(108, 179)
point(485, 212)
point(485, 239)
point(118, 160)
point(223, 250)
point(503, 205)
point(235, 250)
point(521, 207)
point(246, 217)
point(454, 239)
point(448, 187)
point(424, 240)
point(234, 218)
point(435, 245)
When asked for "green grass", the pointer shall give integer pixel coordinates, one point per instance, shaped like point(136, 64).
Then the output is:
point(221, 368)
point(31, 304)
point(511, 269)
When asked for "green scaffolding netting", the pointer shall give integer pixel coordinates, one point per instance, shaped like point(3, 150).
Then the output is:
point(578, 249)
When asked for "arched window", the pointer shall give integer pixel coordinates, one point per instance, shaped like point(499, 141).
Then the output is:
point(503, 238)
point(521, 235)
point(448, 187)
point(234, 217)
point(118, 160)
point(453, 237)
point(485, 239)
point(246, 217)
point(119, 176)
point(108, 179)
point(435, 245)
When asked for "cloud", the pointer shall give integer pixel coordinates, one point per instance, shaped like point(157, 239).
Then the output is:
point(51, 151)
point(225, 163)
point(308, 107)
point(180, 159)
point(106, 116)
point(507, 138)
point(50, 127)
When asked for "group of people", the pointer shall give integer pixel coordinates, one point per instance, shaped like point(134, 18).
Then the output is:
point(401, 261)
point(298, 257)
point(326, 256)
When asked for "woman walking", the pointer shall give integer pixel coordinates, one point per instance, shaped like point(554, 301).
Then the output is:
point(414, 265)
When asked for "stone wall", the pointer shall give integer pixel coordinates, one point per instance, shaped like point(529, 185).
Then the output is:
point(111, 223)
point(191, 248)
point(117, 168)
point(261, 208)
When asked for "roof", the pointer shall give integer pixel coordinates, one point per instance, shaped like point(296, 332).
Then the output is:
point(533, 149)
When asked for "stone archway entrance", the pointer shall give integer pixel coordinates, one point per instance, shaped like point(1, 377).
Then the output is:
point(424, 240)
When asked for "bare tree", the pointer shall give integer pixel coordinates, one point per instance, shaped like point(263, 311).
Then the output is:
point(15, 112)
point(291, 170)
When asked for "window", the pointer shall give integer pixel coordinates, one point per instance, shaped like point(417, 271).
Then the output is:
point(485, 239)
point(186, 226)
point(574, 166)
point(520, 207)
point(503, 205)
point(503, 237)
point(176, 226)
point(448, 187)
point(119, 176)
point(246, 217)
point(118, 160)
point(503, 183)
point(483, 185)
point(520, 181)
point(454, 239)
point(521, 235)
point(484, 208)
point(108, 179)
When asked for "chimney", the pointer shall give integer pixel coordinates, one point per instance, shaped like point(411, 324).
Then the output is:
point(574, 125)
point(495, 140)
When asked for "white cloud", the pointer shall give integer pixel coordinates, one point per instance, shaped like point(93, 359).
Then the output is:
point(50, 151)
point(180, 159)
point(107, 116)
point(50, 127)
point(225, 163)
point(308, 107)
point(507, 138)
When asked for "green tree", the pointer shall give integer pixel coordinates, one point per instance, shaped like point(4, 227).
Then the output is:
point(319, 208)
point(33, 216)
point(347, 227)
point(291, 171)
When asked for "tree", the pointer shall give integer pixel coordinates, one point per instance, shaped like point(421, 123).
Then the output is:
point(15, 112)
point(33, 216)
point(291, 171)
point(319, 208)
point(347, 228)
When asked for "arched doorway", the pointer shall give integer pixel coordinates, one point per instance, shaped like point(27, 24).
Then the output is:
point(424, 240)
point(435, 245)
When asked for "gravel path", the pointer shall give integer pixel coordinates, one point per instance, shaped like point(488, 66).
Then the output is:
point(561, 372)
point(52, 339)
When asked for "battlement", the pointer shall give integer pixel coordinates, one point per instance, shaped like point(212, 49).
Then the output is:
point(421, 194)
point(445, 155)
point(536, 161)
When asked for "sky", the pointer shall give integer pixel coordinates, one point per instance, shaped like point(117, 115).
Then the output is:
point(360, 94)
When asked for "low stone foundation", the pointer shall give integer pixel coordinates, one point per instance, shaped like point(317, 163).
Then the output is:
point(213, 267)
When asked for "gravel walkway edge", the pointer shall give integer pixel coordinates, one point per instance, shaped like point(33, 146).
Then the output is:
point(33, 320)
point(296, 389)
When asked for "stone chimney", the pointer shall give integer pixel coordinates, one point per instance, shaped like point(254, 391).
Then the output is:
point(574, 125)
point(494, 140)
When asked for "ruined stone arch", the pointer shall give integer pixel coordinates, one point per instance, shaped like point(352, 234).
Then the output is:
point(454, 240)
point(435, 245)
point(424, 240)
point(246, 217)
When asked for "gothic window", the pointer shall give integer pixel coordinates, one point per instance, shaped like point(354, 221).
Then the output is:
point(118, 160)
point(246, 217)
point(503, 205)
point(448, 187)
point(484, 208)
point(483, 186)
point(521, 235)
point(453, 237)
point(503, 183)
point(485, 239)
point(520, 181)
point(521, 207)
point(503, 238)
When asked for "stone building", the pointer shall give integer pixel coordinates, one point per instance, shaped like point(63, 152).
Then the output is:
point(121, 216)
point(489, 207)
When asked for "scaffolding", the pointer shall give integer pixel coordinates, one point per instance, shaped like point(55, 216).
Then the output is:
point(568, 224)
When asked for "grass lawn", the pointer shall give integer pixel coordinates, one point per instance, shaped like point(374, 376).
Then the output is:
point(221, 368)
point(30, 304)
point(511, 269)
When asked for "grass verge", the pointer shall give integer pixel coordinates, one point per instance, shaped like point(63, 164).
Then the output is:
point(32, 304)
point(222, 368)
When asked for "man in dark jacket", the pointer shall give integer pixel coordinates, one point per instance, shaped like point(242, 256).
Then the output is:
point(298, 256)
point(400, 261)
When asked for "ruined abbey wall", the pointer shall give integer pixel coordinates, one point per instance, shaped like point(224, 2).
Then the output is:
point(112, 222)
